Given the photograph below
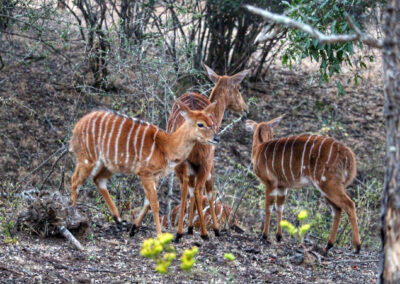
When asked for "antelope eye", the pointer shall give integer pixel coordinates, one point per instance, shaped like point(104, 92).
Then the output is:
point(200, 125)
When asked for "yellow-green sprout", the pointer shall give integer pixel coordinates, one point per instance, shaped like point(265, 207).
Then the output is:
point(299, 233)
point(229, 256)
point(169, 256)
point(304, 229)
point(151, 248)
point(302, 215)
point(188, 258)
point(165, 238)
point(289, 227)
point(162, 268)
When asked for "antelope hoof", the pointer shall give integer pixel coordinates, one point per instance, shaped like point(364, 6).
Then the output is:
point(178, 237)
point(118, 223)
point(265, 240)
point(216, 232)
point(327, 248)
point(278, 238)
point(358, 248)
point(205, 237)
point(190, 231)
point(133, 230)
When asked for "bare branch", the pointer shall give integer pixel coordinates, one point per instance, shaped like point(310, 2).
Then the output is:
point(322, 38)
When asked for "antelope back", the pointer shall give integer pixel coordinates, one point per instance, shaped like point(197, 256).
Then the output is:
point(119, 141)
point(296, 160)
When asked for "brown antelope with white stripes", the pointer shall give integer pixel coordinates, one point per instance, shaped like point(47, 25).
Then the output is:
point(198, 170)
point(105, 143)
point(297, 161)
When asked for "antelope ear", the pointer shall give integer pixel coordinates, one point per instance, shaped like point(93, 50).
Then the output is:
point(210, 108)
point(237, 78)
point(184, 111)
point(275, 122)
point(250, 125)
point(214, 77)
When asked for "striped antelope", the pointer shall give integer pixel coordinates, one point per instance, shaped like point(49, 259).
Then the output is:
point(198, 170)
point(106, 143)
point(297, 161)
point(224, 214)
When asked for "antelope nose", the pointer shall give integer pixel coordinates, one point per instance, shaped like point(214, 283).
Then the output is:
point(216, 138)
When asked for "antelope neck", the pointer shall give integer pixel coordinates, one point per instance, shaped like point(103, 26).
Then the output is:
point(179, 144)
point(218, 95)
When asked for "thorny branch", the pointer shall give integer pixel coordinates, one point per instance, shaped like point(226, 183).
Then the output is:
point(321, 37)
point(231, 125)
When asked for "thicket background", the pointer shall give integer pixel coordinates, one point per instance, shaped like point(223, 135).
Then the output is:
point(61, 59)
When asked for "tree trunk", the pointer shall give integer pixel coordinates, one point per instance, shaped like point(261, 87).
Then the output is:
point(390, 231)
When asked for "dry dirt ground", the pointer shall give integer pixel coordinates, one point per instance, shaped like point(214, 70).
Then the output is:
point(37, 110)
point(113, 257)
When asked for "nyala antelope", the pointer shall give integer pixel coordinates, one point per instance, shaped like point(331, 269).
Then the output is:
point(297, 161)
point(224, 214)
point(197, 171)
point(105, 143)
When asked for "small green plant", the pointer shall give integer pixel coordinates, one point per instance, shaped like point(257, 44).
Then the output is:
point(299, 232)
point(154, 248)
point(188, 259)
point(229, 256)
point(6, 228)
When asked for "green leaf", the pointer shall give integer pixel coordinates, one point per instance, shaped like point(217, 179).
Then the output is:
point(340, 90)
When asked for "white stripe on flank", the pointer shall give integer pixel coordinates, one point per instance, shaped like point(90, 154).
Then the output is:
point(152, 146)
point(323, 178)
point(104, 115)
point(105, 135)
point(87, 136)
point(309, 156)
point(205, 209)
point(330, 152)
point(319, 154)
point(283, 156)
point(110, 137)
point(266, 159)
point(302, 157)
point(134, 145)
point(221, 212)
point(291, 156)
point(273, 158)
point(142, 143)
point(337, 153)
point(117, 141)
point(128, 143)
point(95, 146)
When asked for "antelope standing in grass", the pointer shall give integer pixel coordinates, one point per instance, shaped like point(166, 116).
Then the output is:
point(106, 143)
point(198, 170)
point(297, 161)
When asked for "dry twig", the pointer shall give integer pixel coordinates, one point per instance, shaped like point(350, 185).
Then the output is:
point(322, 38)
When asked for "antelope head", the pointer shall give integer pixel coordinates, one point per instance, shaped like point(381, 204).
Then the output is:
point(202, 126)
point(229, 88)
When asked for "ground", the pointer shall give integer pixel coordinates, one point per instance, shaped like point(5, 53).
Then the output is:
point(40, 103)
point(114, 257)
